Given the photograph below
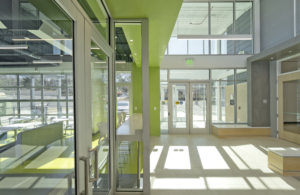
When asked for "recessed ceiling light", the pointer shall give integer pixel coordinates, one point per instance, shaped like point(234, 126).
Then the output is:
point(290, 51)
point(135, 54)
point(131, 40)
point(271, 58)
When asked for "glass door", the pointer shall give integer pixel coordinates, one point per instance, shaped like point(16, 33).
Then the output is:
point(179, 108)
point(199, 108)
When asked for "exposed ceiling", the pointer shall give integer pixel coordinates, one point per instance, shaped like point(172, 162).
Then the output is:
point(162, 15)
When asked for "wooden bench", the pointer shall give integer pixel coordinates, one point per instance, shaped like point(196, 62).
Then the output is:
point(285, 161)
point(239, 130)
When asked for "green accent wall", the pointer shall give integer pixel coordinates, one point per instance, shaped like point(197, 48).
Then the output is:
point(136, 80)
point(154, 98)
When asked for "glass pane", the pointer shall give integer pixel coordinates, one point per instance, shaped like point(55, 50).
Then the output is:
point(30, 93)
point(179, 105)
point(291, 106)
point(221, 18)
point(215, 47)
point(129, 109)
point(98, 16)
point(196, 47)
point(243, 15)
point(163, 75)
point(222, 101)
point(8, 80)
point(100, 130)
point(244, 47)
point(8, 93)
point(8, 108)
point(241, 102)
point(55, 93)
point(189, 74)
point(38, 157)
point(241, 74)
point(193, 19)
point(30, 80)
point(227, 47)
point(177, 47)
point(164, 129)
point(222, 74)
point(199, 105)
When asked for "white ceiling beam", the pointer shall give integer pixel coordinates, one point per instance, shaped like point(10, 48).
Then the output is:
point(215, 37)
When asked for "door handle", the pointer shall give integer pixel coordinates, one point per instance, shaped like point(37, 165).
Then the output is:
point(96, 169)
point(87, 170)
point(86, 175)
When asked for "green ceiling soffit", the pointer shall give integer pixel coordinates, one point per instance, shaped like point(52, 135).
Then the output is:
point(133, 32)
point(162, 15)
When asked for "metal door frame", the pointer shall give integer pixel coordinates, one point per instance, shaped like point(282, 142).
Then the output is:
point(189, 127)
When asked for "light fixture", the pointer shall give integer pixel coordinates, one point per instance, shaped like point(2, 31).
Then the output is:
point(271, 58)
point(120, 62)
point(41, 39)
point(131, 40)
point(47, 61)
point(215, 37)
point(99, 62)
point(290, 51)
point(13, 46)
point(13, 63)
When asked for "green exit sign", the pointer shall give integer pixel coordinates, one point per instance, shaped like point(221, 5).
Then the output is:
point(189, 62)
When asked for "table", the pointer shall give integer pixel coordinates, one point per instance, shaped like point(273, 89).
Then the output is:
point(132, 130)
point(61, 120)
point(6, 129)
point(23, 125)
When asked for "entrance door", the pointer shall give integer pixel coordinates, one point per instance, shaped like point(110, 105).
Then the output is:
point(188, 110)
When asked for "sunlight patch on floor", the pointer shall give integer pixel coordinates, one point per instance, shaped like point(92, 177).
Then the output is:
point(178, 158)
point(154, 157)
point(211, 158)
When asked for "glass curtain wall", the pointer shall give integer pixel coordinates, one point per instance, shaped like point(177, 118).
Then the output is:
point(36, 99)
point(128, 78)
point(215, 18)
point(100, 128)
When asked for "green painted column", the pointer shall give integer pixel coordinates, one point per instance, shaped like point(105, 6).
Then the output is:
point(154, 85)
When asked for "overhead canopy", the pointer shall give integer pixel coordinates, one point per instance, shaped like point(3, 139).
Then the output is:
point(162, 15)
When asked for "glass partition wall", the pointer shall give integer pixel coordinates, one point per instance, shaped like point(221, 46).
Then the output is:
point(36, 99)
point(128, 79)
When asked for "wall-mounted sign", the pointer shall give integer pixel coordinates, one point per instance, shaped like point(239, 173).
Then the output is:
point(231, 102)
point(177, 102)
point(189, 62)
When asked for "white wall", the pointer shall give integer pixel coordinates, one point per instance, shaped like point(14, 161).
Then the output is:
point(209, 61)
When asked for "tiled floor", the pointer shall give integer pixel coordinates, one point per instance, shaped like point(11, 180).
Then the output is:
point(205, 165)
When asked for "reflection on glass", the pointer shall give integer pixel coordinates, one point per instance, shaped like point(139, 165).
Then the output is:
point(128, 78)
point(222, 101)
point(291, 106)
point(222, 18)
point(243, 15)
point(179, 105)
point(164, 108)
point(36, 127)
point(199, 105)
point(97, 13)
point(99, 101)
